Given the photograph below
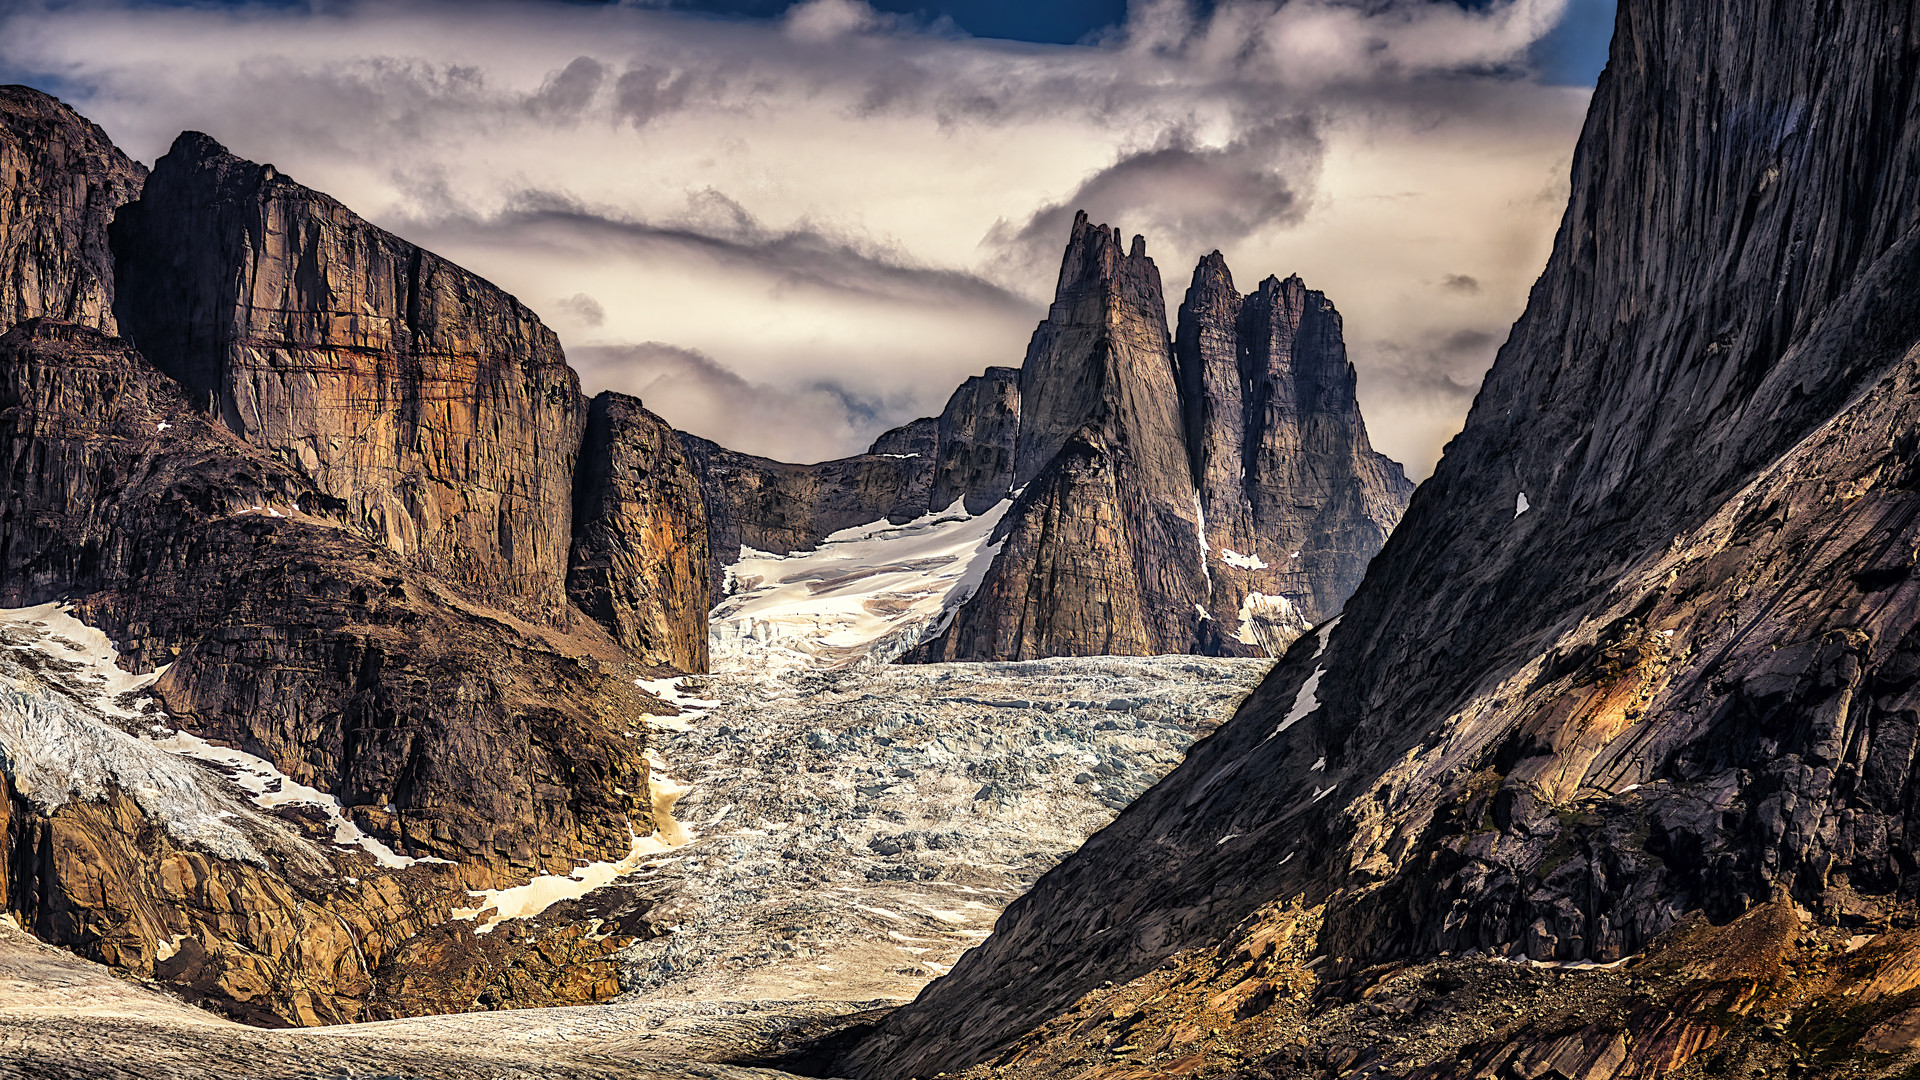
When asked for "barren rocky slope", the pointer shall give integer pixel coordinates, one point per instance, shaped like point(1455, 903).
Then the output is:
point(1640, 660)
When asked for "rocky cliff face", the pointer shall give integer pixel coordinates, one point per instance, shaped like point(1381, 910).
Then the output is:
point(1640, 657)
point(1103, 549)
point(1297, 502)
point(974, 442)
point(436, 406)
point(1213, 493)
point(334, 544)
point(64, 180)
point(640, 560)
point(446, 728)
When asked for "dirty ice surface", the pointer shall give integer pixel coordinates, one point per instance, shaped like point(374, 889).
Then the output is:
point(856, 830)
point(865, 595)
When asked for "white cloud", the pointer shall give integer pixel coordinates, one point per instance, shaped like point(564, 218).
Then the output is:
point(841, 199)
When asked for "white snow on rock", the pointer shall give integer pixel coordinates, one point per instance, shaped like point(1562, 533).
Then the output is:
point(1304, 702)
point(536, 896)
point(1521, 505)
point(1244, 562)
point(1271, 622)
point(865, 595)
point(270, 788)
point(71, 749)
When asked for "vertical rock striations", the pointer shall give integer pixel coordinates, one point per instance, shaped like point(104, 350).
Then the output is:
point(640, 562)
point(975, 441)
point(438, 407)
point(1297, 502)
point(1644, 647)
point(60, 182)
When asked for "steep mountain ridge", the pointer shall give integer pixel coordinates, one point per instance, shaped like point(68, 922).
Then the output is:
point(65, 180)
point(328, 547)
point(1642, 649)
point(438, 407)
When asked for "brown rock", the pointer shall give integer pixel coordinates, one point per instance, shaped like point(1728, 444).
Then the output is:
point(60, 182)
point(640, 560)
point(437, 407)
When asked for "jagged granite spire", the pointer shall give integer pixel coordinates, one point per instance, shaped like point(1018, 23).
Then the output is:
point(1102, 550)
point(1296, 499)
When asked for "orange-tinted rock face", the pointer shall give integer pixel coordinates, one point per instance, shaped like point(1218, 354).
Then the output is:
point(63, 180)
point(640, 562)
point(437, 407)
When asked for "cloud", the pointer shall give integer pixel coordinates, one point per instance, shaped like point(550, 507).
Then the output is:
point(583, 308)
point(697, 394)
point(858, 210)
point(1460, 283)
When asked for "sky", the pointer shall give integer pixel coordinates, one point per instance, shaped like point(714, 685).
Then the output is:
point(790, 224)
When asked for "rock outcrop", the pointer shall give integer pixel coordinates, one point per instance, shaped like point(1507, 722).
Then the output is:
point(1297, 502)
point(63, 182)
point(1214, 493)
point(640, 560)
point(439, 408)
point(1641, 656)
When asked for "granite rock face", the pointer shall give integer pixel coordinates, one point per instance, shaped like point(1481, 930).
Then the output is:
point(1212, 493)
point(640, 561)
point(975, 440)
point(63, 181)
point(1643, 650)
point(1297, 502)
point(439, 408)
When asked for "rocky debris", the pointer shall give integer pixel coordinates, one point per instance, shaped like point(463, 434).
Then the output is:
point(1642, 649)
point(63, 180)
point(1766, 995)
point(639, 564)
point(1297, 502)
point(855, 831)
point(437, 407)
point(63, 1017)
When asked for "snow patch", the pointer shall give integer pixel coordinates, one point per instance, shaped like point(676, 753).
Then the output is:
point(1304, 702)
point(270, 788)
point(1244, 562)
point(1270, 621)
point(536, 896)
point(1521, 505)
point(866, 594)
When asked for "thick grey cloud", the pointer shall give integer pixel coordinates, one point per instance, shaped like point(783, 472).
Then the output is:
point(851, 211)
